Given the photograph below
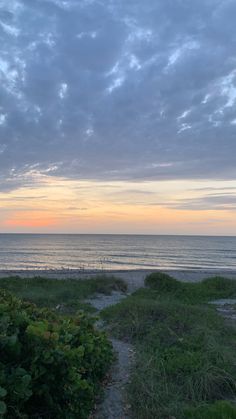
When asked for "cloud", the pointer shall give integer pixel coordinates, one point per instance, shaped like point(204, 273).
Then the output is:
point(117, 90)
point(209, 202)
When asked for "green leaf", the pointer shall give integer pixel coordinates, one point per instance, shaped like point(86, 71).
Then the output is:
point(63, 360)
point(3, 392)
point(3, 408)
point(26, 379)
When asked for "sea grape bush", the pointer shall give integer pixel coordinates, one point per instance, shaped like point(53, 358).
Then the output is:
point(162, 282)
point(50, 366)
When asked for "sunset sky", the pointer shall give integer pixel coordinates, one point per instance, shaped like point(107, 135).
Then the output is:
point(118, 116)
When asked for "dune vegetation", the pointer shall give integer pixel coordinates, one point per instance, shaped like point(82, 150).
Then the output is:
point(53, 360)
point(68, 295)
point(185, 352)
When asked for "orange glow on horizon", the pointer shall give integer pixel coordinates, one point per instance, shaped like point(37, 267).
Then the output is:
point(156, 220)
point(29, 220)
point(60, 205)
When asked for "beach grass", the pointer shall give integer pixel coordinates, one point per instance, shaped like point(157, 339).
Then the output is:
point(67, 295)
point(211, 288)
point(185, 351)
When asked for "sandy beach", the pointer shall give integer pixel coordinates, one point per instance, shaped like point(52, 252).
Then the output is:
point(133, 278)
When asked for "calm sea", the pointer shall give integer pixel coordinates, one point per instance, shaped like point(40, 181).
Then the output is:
point(35, 251)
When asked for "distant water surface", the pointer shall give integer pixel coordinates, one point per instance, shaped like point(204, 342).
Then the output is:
point(125, 252)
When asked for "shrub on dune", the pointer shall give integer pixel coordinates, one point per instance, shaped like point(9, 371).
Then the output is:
point(162, 282)
point(50, 366)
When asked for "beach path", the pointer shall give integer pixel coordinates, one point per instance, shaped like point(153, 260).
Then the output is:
point(114, 404)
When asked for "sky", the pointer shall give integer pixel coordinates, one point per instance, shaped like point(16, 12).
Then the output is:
point(118, 116)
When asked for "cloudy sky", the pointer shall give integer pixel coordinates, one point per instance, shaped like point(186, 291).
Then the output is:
point(118, 116)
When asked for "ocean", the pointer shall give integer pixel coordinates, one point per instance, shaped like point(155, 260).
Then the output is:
point(116, 252)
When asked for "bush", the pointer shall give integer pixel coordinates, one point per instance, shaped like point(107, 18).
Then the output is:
point(162, 282)
point(193, 293)
point(50, 366)
point(224, 287)
point(218, 410)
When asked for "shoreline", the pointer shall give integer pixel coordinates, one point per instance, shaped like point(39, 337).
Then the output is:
point(133, 278)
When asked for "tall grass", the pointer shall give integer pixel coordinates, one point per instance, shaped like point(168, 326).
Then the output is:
point(185, 353)
point(68, 293)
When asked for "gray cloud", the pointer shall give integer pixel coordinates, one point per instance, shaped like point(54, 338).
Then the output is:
point(117, 90)
point(220, 201)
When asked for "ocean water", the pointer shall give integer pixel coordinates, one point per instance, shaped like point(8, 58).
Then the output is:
point(119, 252)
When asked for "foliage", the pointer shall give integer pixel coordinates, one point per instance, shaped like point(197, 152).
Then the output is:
point(68, 293)
point(50, 366)
point(218, 410)
point(185, 353)
point(204, 291)
point(162, 282)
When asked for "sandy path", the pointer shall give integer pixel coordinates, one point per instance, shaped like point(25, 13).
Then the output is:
point(114, 404)
point(226, 308)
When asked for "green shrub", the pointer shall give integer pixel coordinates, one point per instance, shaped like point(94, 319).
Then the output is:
point(50, 366)
point(224, 287)
point(162, 282)
point(218, 410)
point(193, 293)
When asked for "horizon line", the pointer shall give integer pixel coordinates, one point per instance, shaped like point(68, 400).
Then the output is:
point(116, 234)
